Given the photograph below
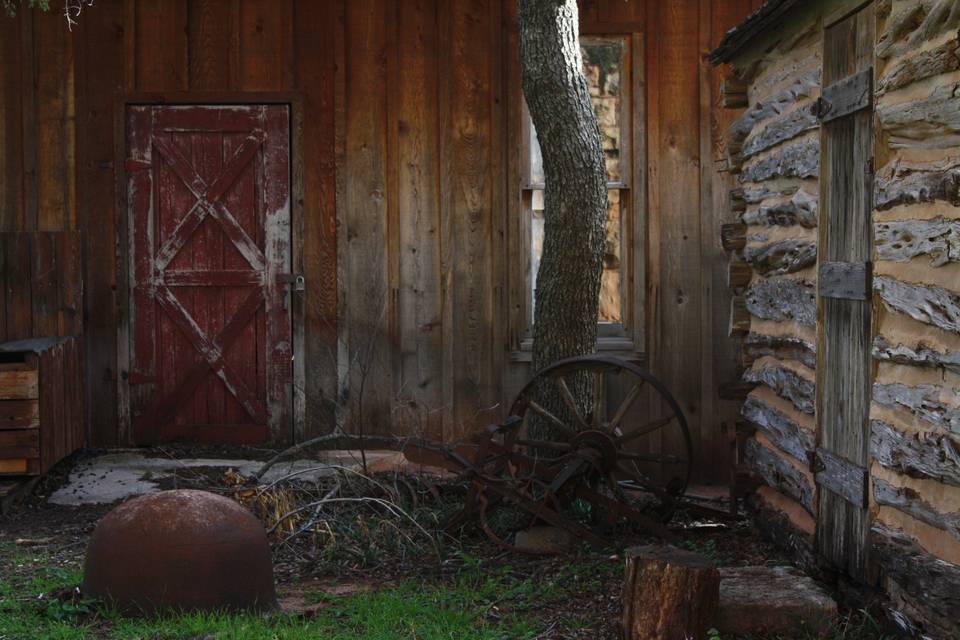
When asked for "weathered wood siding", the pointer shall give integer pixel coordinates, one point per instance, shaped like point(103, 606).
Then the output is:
point(406, 163)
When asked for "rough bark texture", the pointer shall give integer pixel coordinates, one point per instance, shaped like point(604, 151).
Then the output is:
point(786, 383)
point(923, 401)
point(930, 123)
point(932, 456)
point(669, 594)
point(779, 429)
point(800, 209)
point(776, 526)
point(926, 303)
point(918, 355)
point(903, 240)
point(931, 587)
point(909, 501)
point(780, 130)
point(779, 473)
point(783, 300)
point(923, 64)
point(782, 256)
point(902, 182)
point(798, 160)
point(757, 345)
point(568, 282)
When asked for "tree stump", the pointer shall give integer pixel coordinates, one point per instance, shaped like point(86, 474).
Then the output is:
point(669, 594)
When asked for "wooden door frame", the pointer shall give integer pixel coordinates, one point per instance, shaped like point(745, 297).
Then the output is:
point(294, 101)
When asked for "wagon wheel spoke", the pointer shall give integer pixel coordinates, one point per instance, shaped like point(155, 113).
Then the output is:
point(599, 400)
point(552, 419)
point(544, 444)
point(644, 482)
point(625, 406)
point(568, 400)
point(649, 427)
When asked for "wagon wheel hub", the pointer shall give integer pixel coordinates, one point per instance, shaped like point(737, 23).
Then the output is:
point(599, 447)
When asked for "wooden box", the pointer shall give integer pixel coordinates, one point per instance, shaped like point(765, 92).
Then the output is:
point(41, 404)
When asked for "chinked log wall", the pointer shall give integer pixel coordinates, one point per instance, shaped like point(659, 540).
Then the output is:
point(410, 211)
point(915, 413)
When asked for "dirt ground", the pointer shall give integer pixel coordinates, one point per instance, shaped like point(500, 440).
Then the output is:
point(580, 592)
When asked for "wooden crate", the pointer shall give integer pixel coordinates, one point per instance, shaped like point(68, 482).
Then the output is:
point(41, 404)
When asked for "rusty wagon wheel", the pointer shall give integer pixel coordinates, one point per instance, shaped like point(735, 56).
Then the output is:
point(604, 430)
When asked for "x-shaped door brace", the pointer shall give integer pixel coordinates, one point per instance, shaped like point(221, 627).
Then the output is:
point(208, 203)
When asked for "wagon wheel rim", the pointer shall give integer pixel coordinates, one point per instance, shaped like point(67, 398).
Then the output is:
point(608, 424)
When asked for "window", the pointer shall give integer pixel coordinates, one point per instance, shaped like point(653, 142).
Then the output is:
point(607, 64)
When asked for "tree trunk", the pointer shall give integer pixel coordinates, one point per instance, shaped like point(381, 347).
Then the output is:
point(575, 198)
point(669, 594)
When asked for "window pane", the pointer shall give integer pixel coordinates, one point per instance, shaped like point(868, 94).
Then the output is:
point(602, 65)
point(611, 309)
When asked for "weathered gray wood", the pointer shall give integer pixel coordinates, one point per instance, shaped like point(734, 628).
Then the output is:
point(926, 303)
point(909, 501)
point(779, 473)
point(779, 429)
point(796, 160)
point(898, 26)
point(738, 273)
point(932, 585)
point(934, 456)
point(844, 280)
point(911, 183)
point(844, 478)
point(757, 194)
point(787, 384)
point(782, 256)
point(738, 204)
point(733, 92)
point(733, 236)
point(920, 65)
point(903, 240)
point(779, 299)
point(765, 109)
point(846, 96)
point(739, 317)
point(779, 130)
point(922, 400)
point(757, 345)
point(919, 355)
point(931, 122)
point(914, 23)
point(800, 209)
point(777, 527)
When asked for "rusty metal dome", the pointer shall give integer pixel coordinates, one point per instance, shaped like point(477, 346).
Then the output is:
point(183, 550)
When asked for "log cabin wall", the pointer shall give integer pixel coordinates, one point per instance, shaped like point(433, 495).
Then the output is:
point(407, 117)
point(914, 485)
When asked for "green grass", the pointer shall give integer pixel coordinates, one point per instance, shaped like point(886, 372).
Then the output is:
point(479, 603)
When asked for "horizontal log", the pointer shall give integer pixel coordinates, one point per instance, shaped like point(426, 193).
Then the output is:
point(740, 128)
point(739, 273)
point(738, 203)
point(776, 526)
point(926, 303)
point(781, 256)
point(899, 183)
point(757, 194)
point(934, 456)
point(796, 160)
point(920, 65)
point(922, 401)
point(779, 130)
point(739, 317)
point(800, 209)
point(897, 28)
point(757, 345)
point(780, 300)
point(932, 584)
point(787, 384)
point(932, 122)
point(903, 240)
point(733, 236)
point(919, 355)
point(779, 473)
point(912, 503)
point(779, 429)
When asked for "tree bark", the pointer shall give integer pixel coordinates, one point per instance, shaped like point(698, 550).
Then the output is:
point(669, 594)
point(575, 198)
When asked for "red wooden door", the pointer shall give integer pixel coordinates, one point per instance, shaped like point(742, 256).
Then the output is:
point(209, 214)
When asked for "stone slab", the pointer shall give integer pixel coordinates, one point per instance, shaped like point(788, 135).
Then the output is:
point(772, 600)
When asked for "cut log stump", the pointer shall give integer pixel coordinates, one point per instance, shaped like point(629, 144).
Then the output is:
point(669, 594)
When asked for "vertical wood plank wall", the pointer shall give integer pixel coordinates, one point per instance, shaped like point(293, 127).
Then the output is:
point(408, 133)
